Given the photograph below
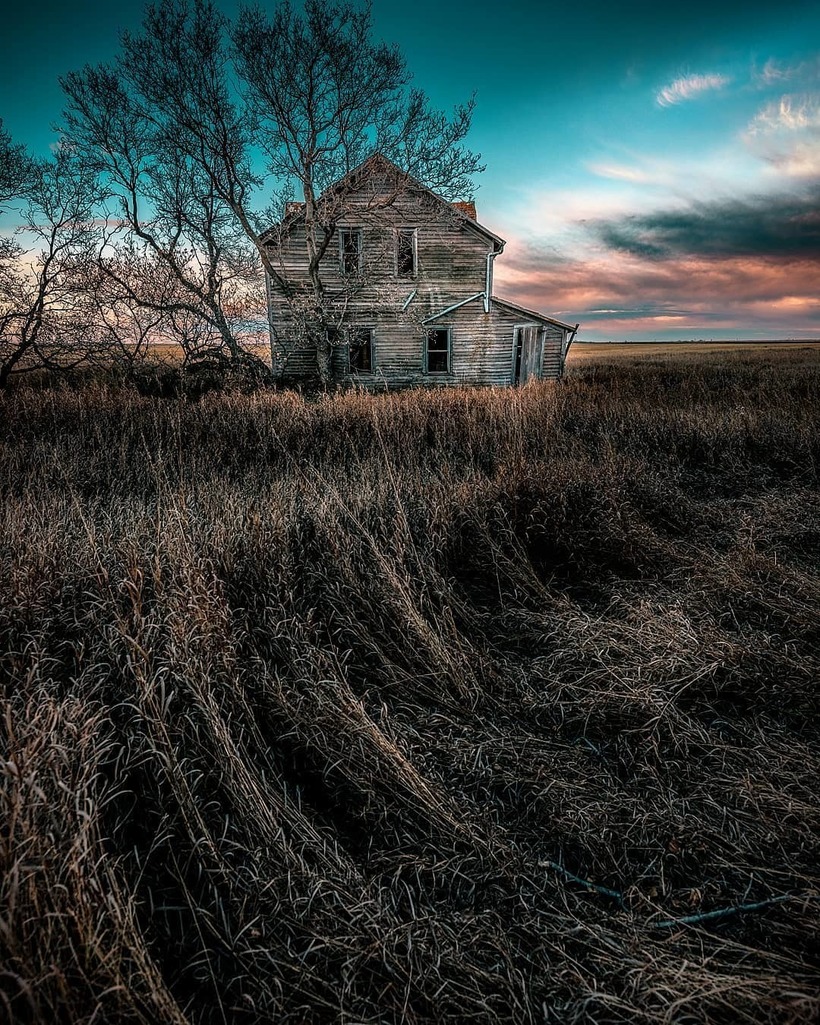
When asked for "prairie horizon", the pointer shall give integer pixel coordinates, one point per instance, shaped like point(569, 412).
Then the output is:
point(581, 351)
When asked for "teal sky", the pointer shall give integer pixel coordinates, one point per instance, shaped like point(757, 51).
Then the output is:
point(655, 168)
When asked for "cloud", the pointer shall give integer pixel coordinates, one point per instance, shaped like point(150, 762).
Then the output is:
point(786, 134)
point(625, 283)
point(791, 113)
point(617, 294)
point(619, 172)
point(773, 72)
point(688, 87)
point(802, 160)
point(777, 73)
point(786, 226)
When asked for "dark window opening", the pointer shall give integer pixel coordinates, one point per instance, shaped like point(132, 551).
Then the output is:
point(361, 350)
point(438, 350)
point(406, 252)
point(350, 243)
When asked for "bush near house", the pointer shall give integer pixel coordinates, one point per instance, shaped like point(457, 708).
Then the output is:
point(426, 707)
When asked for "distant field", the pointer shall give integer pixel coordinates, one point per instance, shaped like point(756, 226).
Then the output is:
point(582, 353)
point(586, 351)
point(492, 706)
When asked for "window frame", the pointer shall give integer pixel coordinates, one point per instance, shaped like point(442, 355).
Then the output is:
point(449, 368)
point(414, 235)
point(358, 232)
point(353, 331)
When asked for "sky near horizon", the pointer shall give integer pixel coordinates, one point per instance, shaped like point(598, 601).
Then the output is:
point(654, 168)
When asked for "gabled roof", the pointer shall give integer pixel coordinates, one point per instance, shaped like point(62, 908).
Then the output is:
point(504, 304)
point(515, 308)
point(462, 211)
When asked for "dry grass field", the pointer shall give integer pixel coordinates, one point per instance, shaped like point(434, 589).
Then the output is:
point(596, 352)
point(458, 706)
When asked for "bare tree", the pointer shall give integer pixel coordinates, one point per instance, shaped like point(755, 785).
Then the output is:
point(325, 96)
point(17, 170)
point(162, 212)
point(198, 118)
point(44, 317)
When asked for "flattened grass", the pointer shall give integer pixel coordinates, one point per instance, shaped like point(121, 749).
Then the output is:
point(427, 707)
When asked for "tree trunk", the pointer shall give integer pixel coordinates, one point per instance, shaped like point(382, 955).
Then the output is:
point(317, 330)
point(323, 352)
point(7, 368)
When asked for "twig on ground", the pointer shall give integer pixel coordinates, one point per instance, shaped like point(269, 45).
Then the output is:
point(614, 894)
point(706, 916)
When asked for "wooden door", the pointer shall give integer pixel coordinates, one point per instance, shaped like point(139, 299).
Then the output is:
point(527, 354)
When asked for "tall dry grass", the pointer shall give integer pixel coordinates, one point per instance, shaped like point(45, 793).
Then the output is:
point(429, 707)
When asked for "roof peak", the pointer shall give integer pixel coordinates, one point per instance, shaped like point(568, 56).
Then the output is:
point(464, 210)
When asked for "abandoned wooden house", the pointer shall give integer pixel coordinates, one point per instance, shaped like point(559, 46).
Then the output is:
point(406, 292)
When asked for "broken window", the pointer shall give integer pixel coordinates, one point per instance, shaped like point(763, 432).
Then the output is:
point(350, 250)
point(406, 252)
point(438, 350)
point(360, 350)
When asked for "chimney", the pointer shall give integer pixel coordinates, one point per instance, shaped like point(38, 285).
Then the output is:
point(467, 208)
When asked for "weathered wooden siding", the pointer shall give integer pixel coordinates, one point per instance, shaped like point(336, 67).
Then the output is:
point(484, 345)
point(451, 265)
point(482, 350)
point(451, 258)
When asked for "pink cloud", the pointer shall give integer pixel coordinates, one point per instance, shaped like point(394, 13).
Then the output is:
point(620, 172)
point(617, 296)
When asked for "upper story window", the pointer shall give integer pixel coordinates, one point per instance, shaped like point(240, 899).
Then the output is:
point(406, 252)
point(437, 355)
point(350, 250)
point(361, 350)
